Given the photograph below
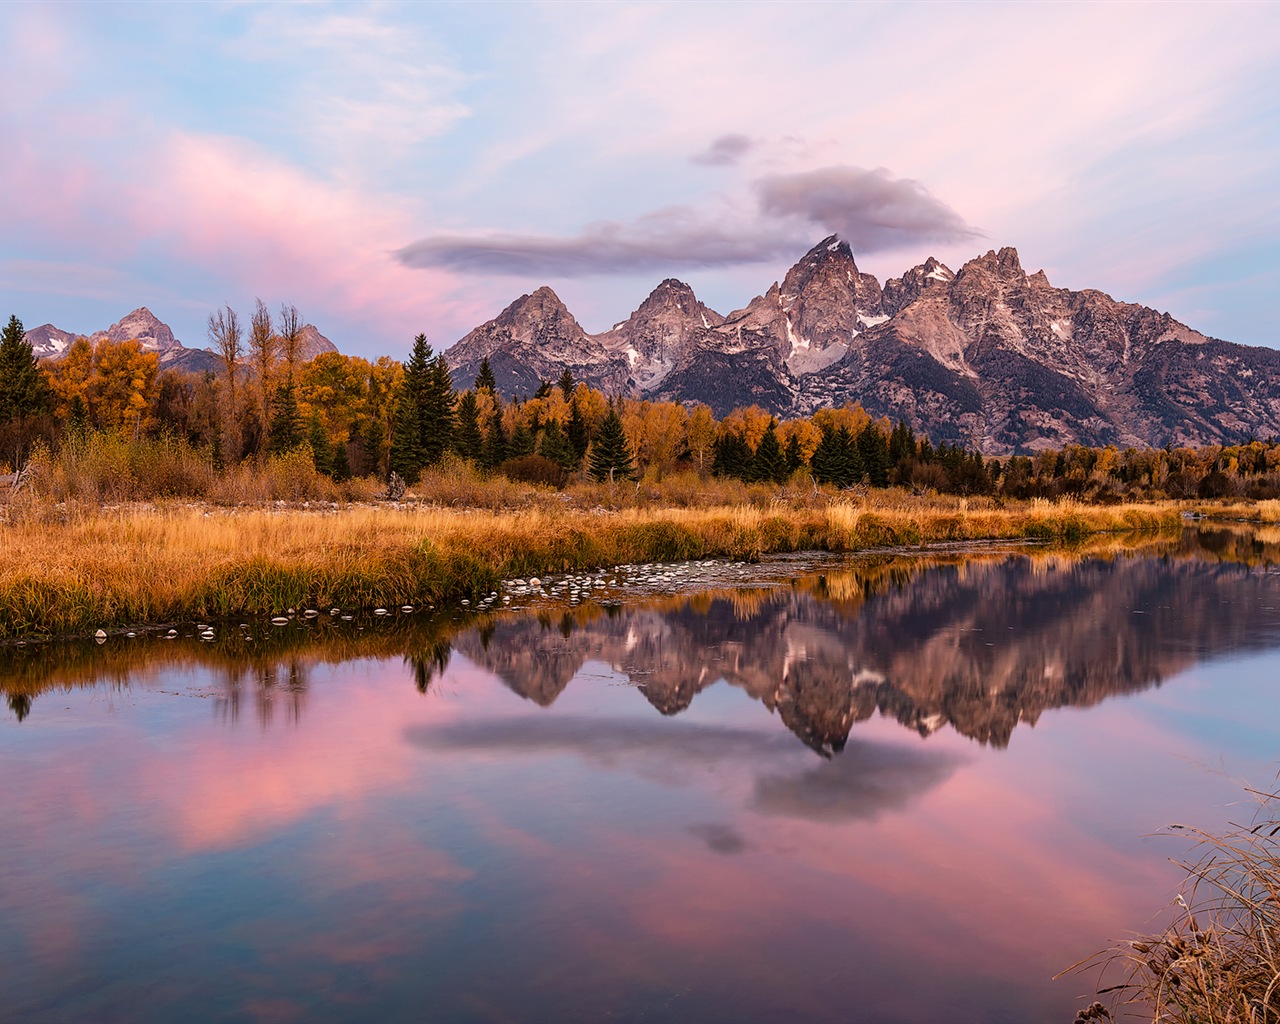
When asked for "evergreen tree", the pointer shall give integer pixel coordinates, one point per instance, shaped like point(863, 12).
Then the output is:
point(318, 439)
point(902, 445)
point(407, 455)
point(23, 390)
point(544, 389)
point(793, 455)
point(341, 462)
point(768, 464)
point(77, 416)
point(468, 439)
point(286, 428)
point(873, 450)
point(579, 438)
point(436, 420)
point(374, 438)
point(731, 456)
point(485, 378)
point(522, 442)
point(565, 383)
point(610, 455)
point(495, 444)
point(555, 446)
point(836, 459)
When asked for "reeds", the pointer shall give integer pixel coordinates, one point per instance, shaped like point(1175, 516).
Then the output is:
point(73, 569)
point(1218, 960)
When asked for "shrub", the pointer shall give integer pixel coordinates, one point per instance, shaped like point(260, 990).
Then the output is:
point(535, 469)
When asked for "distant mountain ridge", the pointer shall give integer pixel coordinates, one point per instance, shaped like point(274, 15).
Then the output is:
point(49, 342)
point(987, 355)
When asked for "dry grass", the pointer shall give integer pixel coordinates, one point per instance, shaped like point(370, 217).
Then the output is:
point(1218, 961)
point(66, 570)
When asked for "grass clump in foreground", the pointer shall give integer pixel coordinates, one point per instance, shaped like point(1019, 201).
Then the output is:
point(1218, 960)
point(70, 571)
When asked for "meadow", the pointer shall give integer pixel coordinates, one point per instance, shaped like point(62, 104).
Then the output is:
point(74, 566)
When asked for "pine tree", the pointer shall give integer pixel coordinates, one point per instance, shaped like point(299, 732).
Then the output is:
point(23, 389)
point(485, 378)
point(902, 445)
point(836, 459)
point(495, 443)
point(768, 464)
point(555, 446)
point(565, 383)
point(407, 456)
point(318, 439)
point(610, 455)
point(286, 428)
point(375, 437)
point(522, 442)
point(731, 456)
point(579, 438)
point(436, 420)
point(873, 449)
point(793, 455)
point(468, 440)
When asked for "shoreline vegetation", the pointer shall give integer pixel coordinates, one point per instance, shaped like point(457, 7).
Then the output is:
point(1218, 957)
point(72, 568)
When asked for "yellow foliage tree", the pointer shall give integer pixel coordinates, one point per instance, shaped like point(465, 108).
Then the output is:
point(123, 386)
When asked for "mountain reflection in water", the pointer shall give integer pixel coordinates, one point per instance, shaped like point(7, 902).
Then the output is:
point(980, 643)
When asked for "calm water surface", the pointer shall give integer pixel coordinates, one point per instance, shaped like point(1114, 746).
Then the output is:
point(895, 790)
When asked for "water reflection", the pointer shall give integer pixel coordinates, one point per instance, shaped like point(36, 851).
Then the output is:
point(979, 643)
point(559, 817)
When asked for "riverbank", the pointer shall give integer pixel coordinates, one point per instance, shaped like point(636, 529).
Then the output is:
point(96, 568)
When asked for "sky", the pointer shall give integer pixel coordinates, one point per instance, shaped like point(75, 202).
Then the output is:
point(400, 168)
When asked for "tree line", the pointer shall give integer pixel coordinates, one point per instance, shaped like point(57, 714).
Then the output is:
point(353, 417)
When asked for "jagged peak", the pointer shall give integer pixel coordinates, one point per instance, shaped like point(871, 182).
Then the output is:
point(672, 289)
point(542, 298)
point(1003, 263)
point(831, 247)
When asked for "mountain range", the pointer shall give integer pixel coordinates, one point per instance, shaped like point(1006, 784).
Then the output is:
point(49, 342)
point(988, 355)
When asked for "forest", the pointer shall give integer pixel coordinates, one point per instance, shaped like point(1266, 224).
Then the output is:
point(109, 419)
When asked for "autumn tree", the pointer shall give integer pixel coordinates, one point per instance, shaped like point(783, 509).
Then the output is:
point(227, 339)
point(289, 329)
point(262, 354)
point(123, 385)
point(700, 434)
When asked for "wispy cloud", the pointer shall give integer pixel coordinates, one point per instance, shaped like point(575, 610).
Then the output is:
point(675, 238)
point(725, 150)
point(872, 210)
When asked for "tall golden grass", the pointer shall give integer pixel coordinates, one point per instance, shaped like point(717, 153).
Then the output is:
point(1218, 960)
point(74, 570)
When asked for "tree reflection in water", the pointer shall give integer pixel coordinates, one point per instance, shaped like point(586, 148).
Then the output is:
point(977, 642)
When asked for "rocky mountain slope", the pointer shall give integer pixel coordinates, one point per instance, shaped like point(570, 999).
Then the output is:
point(987, 355)
point(49, 342)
